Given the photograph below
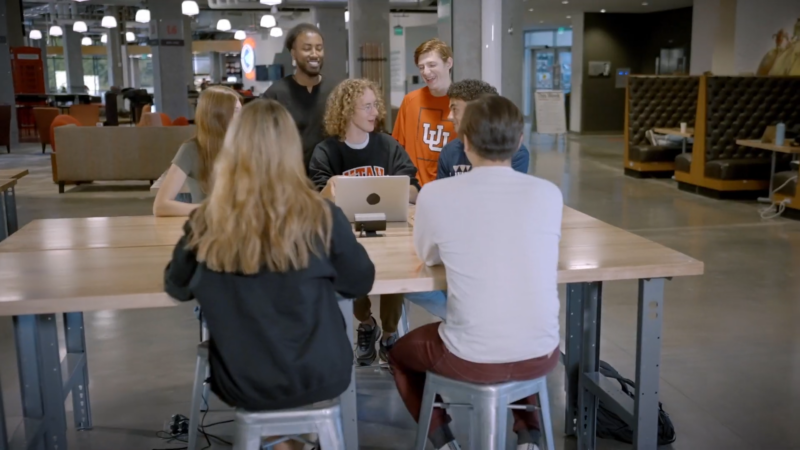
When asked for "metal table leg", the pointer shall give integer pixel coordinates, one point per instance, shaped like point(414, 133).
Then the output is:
point(40, 379)
point(572, 355)
point(77, 370)
point(11, 210)
point(348, 398)
point(648, 359)
point(3, 231)
point(589, 362)
point(772, 174)
point(683, 147)
point(3, 434)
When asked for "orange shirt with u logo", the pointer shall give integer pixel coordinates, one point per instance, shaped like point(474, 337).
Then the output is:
point(422, 128)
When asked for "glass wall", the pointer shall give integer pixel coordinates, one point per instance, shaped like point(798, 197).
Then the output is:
point(95, 74)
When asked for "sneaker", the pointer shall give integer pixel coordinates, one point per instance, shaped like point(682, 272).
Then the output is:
point(368, 335)
point(386, 346)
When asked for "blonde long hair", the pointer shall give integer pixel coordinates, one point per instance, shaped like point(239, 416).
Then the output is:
point(262, 210)
point(215, 109)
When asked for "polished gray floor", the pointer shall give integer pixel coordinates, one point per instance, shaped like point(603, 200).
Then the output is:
point(730, 337)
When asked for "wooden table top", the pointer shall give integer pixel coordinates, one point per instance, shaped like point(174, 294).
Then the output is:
point(675, 132)
point(755, 143)
point(6, 184)
point(62, 265)
point(13, 174)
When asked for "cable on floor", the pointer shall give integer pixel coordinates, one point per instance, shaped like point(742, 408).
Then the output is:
point(776, 208)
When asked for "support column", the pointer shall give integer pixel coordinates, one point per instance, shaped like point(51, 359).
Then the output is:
point(7, 87)
point(73, 59)
point(124, 61)
point(135, 73)
point(369, 24)
point(188, 55)
point(331, 22)
point(466, 43)
point(512, 37)
point(492, 43)
point(16, 33)
point(114, 48)
point(167, 39)
point(216, 69)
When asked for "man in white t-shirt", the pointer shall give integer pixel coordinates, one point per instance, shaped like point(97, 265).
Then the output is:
point(497, 233)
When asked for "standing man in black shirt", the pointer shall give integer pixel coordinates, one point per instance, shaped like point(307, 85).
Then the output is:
point(303, 93)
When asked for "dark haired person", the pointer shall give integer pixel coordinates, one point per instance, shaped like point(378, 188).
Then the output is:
point(453, 161)
point(502, 308)
point(304, 93)
point(356, 147)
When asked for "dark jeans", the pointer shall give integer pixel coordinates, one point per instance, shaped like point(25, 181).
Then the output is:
point(422, 350)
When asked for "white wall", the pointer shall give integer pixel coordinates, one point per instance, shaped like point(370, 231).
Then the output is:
point(705, 18)
point(267, 47)
point(756, 22)
point(577, 73)
point(398, 51)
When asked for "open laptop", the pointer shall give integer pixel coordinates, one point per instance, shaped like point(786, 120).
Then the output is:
point(368, 195)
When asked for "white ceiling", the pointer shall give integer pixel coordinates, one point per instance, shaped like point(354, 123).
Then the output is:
point(553, 14)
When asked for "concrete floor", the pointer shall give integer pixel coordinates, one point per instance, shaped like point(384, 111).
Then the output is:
point(730, 337)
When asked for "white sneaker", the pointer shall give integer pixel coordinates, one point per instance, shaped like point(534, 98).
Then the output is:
point(527, 447)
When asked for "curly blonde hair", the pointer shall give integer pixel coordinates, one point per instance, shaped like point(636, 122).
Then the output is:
point(342, 105)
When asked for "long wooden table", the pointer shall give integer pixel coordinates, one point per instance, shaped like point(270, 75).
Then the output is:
point(74, 265)
point(775, 149)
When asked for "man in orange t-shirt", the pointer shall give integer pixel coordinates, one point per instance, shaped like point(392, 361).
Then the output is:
point(421, 126)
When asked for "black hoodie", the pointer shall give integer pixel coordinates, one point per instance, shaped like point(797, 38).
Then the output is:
point(278, 340)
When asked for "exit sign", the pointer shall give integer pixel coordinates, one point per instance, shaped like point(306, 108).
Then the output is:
point(398, 30)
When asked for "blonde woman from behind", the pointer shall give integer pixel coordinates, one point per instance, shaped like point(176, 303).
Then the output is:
point(194, 162)
point(265, 256)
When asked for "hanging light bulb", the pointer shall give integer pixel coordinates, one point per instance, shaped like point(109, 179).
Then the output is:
point(129, 36)
point(240, 35)
point(224, 25)
point(271, 2)
point(143, 16)
point(80, 27)
point(190, 8)
point(86, 41)
point(35, 35)
point(268, 21)
point(55, 30)
point(276, 32)
point(346, 16)
point(104, 39)
point(109, 22)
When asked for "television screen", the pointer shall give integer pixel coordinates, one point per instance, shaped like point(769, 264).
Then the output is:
point(275, 72)
point(262, 74)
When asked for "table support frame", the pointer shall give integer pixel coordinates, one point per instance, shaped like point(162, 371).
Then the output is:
point(12, 222)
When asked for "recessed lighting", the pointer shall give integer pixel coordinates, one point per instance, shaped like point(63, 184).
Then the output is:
point(602, 10)
point(541, 21)
point(645, 3)
point(569, 17)
point(565, 2)
point(531, 10)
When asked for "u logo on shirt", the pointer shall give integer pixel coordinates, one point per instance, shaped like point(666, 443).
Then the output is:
point(434, 137)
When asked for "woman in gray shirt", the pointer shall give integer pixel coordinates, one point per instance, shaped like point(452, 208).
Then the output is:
point(194, 163)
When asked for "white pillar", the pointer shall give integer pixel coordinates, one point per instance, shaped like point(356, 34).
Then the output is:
point(7, 86)
point(513, 43)
point(170, 77)
point(492, 43)
point(369, 24)
point(114, 52)
point(466, 43)
point(577, 73)
point(713, 37)
point(73, 59)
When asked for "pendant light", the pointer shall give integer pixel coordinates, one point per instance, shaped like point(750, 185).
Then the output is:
point(276, 32)
point(86, 41)
point(190, 8)
point(268, 21)
point(109, 22)
point(35, 35)
point(80, 27)
point(56, 30)
point(143, 16)
point(224, 25)
point(240, 35)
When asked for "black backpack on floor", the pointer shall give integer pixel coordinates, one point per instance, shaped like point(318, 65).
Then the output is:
point(611, 426)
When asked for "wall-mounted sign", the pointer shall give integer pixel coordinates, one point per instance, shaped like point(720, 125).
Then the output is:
point(248, 56)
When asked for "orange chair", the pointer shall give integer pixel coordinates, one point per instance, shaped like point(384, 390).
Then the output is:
point(87, 115)
point(145, 110)
point(180, 122)
point(165, 120)
point(44, 118)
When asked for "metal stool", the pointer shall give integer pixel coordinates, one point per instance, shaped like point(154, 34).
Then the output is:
point(200, 391)
point(324, 418)
point(490, 403)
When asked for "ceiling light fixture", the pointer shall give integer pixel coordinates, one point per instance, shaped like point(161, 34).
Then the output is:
point(346, 16)
point(87, 41)
point(565, 2)
point(143, 16)
point(602, 10)
point(276, 32)
point(80, 27)
point(35, 35)
point(645, 3)
point(129, 36)
point(271, 2)
point(190, 8)
point(531, 10)
point(224, 25)
point(56, 30)
point(541, 21)
point(109, 22)
point(104, 39)
point(268, 21)
point(240, 35)
point(569, 17)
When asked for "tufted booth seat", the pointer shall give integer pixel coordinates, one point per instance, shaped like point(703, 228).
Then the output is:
point(683, 162)
point(742, 108)
point(658, 102)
